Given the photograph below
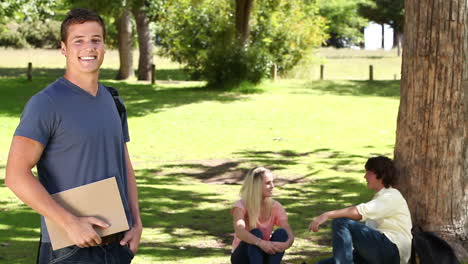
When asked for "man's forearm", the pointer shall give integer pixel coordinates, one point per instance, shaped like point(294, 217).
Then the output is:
point(28, 188)
point(349, 212)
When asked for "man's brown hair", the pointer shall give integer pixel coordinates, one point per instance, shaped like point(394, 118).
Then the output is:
point(79, 16)
point(384, 169)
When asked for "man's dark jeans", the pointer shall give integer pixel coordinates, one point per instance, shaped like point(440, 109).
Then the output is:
point(112, 253)
point(370, 246)
point(252, 254)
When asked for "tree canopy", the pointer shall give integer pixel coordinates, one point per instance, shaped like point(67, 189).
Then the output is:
point(204, 37)
point(344, 23)
point(389, 12)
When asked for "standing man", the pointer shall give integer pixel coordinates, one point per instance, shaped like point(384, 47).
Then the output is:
point(386, 236)
point(72, 132)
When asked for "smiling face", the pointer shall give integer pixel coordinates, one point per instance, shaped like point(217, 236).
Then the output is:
point(84, 48)
point(267, 184)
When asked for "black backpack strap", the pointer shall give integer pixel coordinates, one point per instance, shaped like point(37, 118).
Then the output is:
point(118, 103)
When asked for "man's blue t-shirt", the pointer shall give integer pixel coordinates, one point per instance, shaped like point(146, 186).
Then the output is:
point(83, 138)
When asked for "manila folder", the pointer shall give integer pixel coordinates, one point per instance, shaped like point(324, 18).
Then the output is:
point(100, 199)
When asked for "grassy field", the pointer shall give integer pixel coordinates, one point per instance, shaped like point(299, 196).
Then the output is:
point(190, 147)
point(349, 64)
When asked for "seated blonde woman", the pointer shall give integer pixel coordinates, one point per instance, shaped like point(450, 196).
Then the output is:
point(255, 216)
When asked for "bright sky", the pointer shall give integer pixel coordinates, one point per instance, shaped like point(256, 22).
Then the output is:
point(373, 37)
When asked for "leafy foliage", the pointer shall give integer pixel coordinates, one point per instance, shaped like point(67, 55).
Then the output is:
point(26, 9)
point(41, 35)
point(12, 39)
point(344, 23)
point(202, 36)
point(389, 12)
point(286, 30)
point(31, 34)
point(31, 23)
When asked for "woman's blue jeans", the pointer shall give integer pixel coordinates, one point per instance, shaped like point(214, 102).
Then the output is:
point(251, 254)
point(354, 242)
point(112, 253)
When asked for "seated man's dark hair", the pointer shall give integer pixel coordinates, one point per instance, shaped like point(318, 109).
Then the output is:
point(79, 16)
point(384, 168)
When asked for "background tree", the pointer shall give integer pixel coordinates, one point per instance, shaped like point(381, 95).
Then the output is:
point(286, 30)
point(28, 23)
point(432, 134)
point(145, 39)
point(125, 44)
point(24, 9)
point(344, 23)
point(389, 12)
point(203, 37)
point(243, 11)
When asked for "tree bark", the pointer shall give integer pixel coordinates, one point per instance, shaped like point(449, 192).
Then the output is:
point(431, 152)
point(124, 28)
point(145, 45)
point(243, 10)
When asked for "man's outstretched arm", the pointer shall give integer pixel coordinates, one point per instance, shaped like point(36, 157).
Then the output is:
point(349, 212)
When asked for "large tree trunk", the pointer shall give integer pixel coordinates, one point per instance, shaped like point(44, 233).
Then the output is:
point(243, 10)
point(145, 45)
point(124, 28)
point(431, 152)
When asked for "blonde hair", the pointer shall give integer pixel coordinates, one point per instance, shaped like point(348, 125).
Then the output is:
point(251, 193)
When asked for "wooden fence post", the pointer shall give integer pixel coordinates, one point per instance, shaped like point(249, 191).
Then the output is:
point(322, 69)
point(371, 72)
point(153, 73)
point(29, 73)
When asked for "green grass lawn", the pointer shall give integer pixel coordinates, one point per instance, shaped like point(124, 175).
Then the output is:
point(190, 147)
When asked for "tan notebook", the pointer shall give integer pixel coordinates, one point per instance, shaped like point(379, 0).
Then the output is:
point(100, 199)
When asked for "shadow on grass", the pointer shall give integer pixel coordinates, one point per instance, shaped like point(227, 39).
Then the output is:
point(185, 222)
point(166, 252)
point(140, 98)
point(104, 74)
point(230, 171)
point(172, 75)
point(303, 197)
point(19, 234)
point(143, 99)
point(356, 88)
point(176, 210)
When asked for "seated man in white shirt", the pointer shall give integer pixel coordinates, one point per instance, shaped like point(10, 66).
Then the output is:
point(386, 235)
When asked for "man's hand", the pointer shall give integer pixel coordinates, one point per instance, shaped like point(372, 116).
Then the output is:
point(132, 237)
point(82, 233)
point(314, 225)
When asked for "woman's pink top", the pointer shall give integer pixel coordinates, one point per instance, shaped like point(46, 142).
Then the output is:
point(277, 214)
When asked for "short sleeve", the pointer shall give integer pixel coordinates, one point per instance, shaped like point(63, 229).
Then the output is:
point(380, 207)
point(38, 120)
point(238, 204)
point(279, 213)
